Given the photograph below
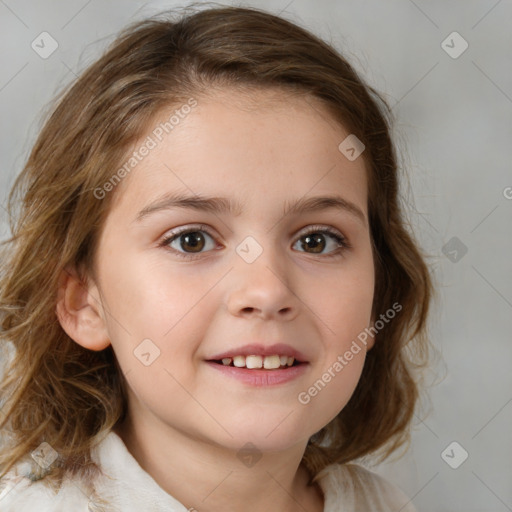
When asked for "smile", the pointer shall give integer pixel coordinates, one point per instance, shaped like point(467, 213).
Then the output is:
point(273, 362)
point(256, 364)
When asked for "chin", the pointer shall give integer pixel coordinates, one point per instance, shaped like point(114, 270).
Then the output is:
point(265, 436)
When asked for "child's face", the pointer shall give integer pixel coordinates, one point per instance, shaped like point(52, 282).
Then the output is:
point(226, 294)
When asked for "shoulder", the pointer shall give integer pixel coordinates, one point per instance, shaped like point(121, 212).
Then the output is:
point(352, 487)
point(123, 486)
point(19, 493)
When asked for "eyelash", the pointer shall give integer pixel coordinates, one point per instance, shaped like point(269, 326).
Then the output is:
point(341, 240)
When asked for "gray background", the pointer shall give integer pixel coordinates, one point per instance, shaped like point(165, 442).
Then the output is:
point(454, 125)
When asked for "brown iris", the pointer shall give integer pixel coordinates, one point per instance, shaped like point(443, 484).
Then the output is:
point(314, 242)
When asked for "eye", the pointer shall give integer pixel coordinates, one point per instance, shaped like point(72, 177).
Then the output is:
point(314, 239)
point(191, 241)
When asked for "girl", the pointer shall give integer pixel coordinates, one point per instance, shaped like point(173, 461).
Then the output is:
point(210, 300)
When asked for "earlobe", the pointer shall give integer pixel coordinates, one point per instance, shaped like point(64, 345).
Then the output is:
point(80, 312)
point(370, 341)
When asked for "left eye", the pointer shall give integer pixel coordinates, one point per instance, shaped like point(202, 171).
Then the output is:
point(192, 241)
point(315, 240)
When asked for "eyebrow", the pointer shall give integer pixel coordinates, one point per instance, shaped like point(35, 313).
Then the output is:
point(220, 205)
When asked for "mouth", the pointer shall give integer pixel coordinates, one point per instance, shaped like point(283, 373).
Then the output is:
point(257, 362)
point(260, 365)
point(260, 371)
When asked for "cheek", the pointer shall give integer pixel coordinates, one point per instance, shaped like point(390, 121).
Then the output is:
point(338, 372)
point(149, 296)
point(148, 300)
point(345, 312)
point(346, 306)
point(157, 329)
point(331, 388)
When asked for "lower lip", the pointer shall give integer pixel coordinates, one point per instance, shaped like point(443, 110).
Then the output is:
point(261, 377)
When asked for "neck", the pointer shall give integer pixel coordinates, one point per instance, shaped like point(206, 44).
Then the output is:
point(203, 476)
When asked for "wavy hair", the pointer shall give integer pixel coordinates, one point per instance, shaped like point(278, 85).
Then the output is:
point(53, 390)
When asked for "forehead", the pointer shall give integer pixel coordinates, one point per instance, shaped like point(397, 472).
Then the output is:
point(264, 144)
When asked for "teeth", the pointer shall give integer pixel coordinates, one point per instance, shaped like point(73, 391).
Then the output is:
point(239, 361)
point(272, 362)
point(254, 362)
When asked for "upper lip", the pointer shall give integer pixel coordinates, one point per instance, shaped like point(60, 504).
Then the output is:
point(256, 349)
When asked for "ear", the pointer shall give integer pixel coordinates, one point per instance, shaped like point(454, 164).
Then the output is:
point(370, 341)
point(80, 311)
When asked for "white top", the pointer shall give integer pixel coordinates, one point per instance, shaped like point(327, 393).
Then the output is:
point(347, 488)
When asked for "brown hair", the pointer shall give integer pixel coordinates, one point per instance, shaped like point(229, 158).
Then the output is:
point(56, 391)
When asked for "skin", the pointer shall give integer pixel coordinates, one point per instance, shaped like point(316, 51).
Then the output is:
point(187, 422)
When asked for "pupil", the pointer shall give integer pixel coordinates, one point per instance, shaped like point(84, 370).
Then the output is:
point(195, 240)
point(313, 242)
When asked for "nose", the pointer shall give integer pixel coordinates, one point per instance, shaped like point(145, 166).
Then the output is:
point(263, 288)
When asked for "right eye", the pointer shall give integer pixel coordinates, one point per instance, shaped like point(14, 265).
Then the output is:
point(188, 241)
